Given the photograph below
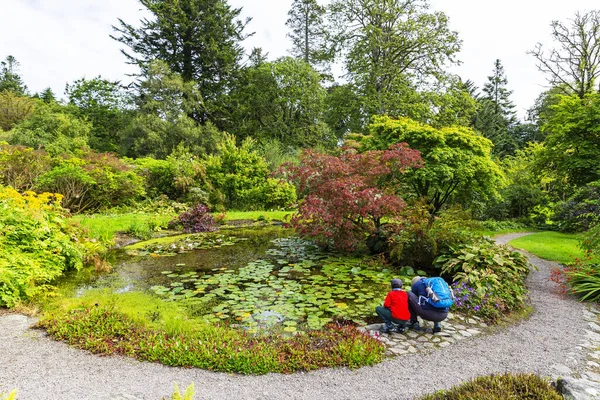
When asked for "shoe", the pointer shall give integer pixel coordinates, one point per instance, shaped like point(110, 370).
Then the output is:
point(400, 329)
point(385, 328)
point(415, 326)
point(437, 327)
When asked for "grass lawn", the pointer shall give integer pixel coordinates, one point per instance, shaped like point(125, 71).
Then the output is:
point(554, 246)
point(104, 226)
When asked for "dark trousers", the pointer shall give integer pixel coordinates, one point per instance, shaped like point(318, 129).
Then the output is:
point(386, 315)
point(426, 313)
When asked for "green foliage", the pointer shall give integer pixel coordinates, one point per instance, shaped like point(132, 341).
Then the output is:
point(20, 167)
point(489, 280)
point(276, 153)
point(240, 174)
point(580, 211)
point(104, 226)
point(590, 240)
point(495, 117)
point(500, 387)
point(36, 246)
point(457, 162)
point(421, 238)
point(393, 49)
point(187, 395)
point(53, 128)
point(106, 330)
point(10, 78)
point(14, 109)
point(103, 103)
point(197, 39)
point(309, 34)
point(572, 144)
point(580, 277)
point(182, 176)
point(92, 182)
point(281, 100)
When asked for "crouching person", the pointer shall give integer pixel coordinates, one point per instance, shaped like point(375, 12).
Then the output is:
point(394, 312)
point(430, 299)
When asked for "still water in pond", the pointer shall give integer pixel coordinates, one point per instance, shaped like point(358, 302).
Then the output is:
point(252, 278)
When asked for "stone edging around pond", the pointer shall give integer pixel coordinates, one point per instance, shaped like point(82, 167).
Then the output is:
point(454, 328)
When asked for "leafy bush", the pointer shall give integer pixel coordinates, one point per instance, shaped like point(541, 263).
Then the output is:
point(489, 280)
point(590, 240)
point(179, 177)
point(500, 387)
point(496, 226)
point(217, 348)
point(196, 219)
point(581, 278)
point(581, 211)
point(187, 395)
point(36, 246)
point(240, 178)
point(421, 238)
point(92, 181)
point(53, 128)
point(21, 166)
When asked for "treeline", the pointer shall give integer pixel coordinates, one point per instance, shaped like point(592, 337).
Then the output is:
point(199, 97)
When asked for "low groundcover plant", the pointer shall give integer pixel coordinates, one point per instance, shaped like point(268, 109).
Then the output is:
point(103, 330)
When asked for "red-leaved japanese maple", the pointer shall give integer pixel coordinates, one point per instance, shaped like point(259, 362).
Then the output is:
point(344, 200)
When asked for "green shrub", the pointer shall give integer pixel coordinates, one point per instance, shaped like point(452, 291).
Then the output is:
point(53, 128)
point(581, 211)
point(489, 280)
point(496, 226)
point(92, 181)
point(187, 395)
point(580, 277)
point(105, 330)
point(500, 387)
point(36, 246)
point(590, 240)
point(422, 238)
point(21, 166)
point(239, 176)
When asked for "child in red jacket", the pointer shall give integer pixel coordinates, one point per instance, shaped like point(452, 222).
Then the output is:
point(394, 311)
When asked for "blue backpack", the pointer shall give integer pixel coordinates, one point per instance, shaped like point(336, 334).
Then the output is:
point(439, 293)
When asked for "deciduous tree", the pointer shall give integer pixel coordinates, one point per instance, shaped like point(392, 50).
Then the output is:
point(574, 64)
point(344, 203)
point(309, 34)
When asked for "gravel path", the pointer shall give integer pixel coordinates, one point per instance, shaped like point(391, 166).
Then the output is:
point(41, 368)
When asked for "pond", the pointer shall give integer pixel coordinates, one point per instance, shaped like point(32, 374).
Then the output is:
point(251, 278)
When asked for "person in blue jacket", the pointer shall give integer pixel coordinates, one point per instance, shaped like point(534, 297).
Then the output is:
point(418, 307)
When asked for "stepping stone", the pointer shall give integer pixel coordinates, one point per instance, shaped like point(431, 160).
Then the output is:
point(473, 331)
point(466, 333)
point(436, 339)
point(460, 327)
point(444, 344)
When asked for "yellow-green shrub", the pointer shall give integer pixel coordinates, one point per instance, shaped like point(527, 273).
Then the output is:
point(36, 246)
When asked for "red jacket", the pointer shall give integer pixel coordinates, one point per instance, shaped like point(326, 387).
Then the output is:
point(397, 302)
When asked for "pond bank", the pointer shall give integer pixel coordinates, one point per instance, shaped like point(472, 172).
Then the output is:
point(550, 343)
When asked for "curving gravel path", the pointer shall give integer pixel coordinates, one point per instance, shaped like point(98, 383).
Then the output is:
point(546, 343)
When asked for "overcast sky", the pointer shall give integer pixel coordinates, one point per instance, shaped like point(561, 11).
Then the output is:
point(58, 41)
